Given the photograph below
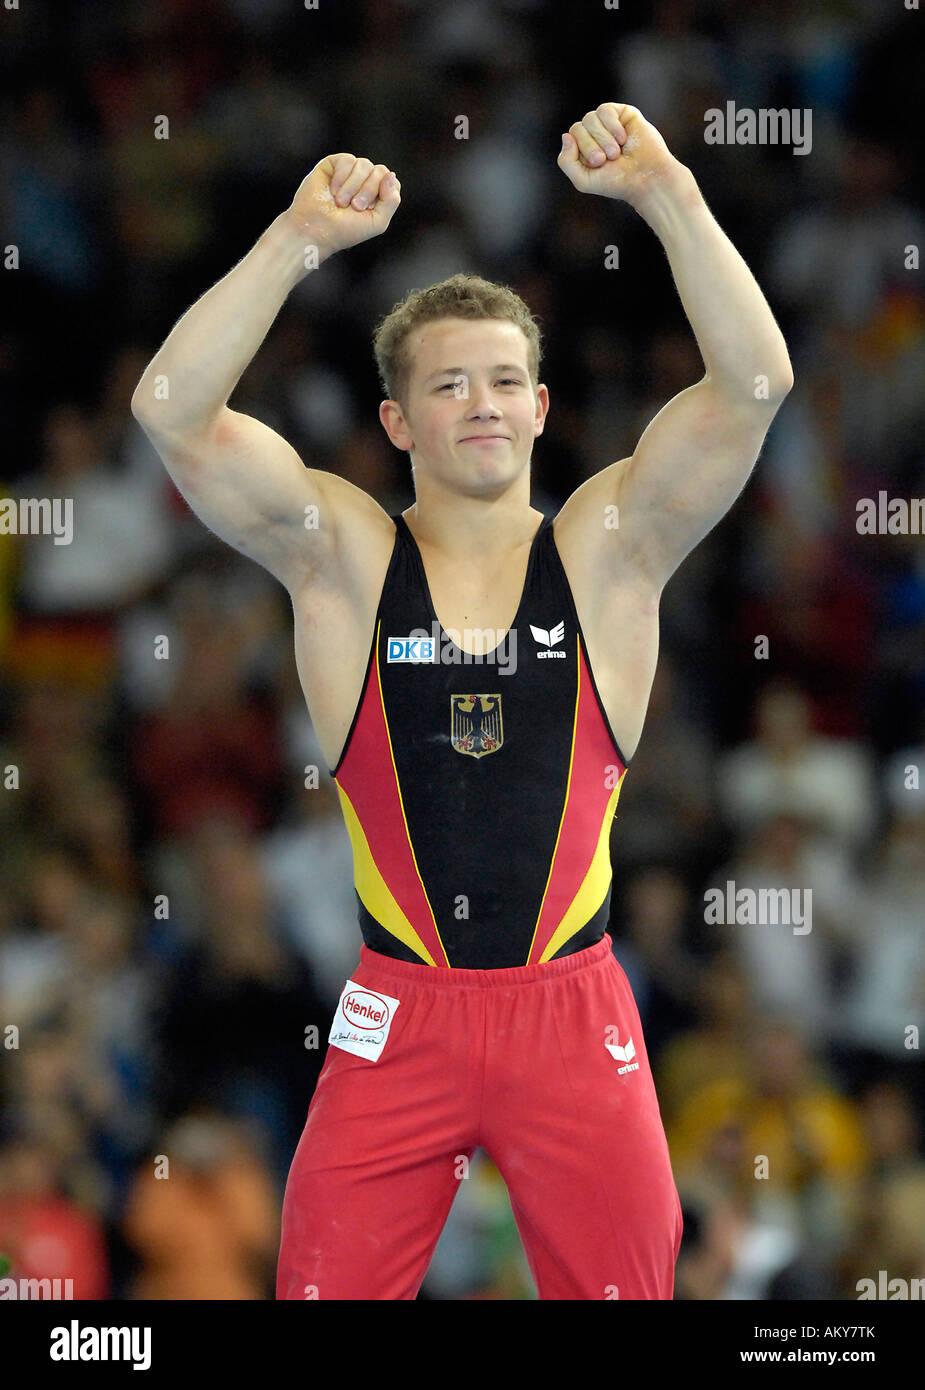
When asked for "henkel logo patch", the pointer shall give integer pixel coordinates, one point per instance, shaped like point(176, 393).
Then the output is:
point(365, 1010)
point(362, 1021)
point(415, 649)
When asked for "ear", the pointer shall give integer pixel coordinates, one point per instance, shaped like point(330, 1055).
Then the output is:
point(393, 422)
point(542, 408)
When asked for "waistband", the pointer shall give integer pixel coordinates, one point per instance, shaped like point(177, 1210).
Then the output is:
point(441, 977)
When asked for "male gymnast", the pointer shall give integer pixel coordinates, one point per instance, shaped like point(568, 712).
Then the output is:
point(477, 675)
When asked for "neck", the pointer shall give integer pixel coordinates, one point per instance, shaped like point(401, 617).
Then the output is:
point(471, 527)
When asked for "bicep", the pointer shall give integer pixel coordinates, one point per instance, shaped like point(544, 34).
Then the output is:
point(690, 465)
point(252, 490)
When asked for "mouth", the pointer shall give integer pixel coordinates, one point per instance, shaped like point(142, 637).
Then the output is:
point(485, 439)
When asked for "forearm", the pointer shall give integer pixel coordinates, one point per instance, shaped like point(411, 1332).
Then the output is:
point(735, 329)
point(190, 379)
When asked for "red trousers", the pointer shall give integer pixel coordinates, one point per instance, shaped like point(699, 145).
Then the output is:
point(545, 1068)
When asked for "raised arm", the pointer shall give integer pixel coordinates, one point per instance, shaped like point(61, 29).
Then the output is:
point(243, 480)
point(695, 457)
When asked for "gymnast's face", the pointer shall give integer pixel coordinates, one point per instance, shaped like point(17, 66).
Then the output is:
point(469, 379)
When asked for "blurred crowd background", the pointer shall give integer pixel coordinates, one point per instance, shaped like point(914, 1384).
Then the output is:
point(177, 909)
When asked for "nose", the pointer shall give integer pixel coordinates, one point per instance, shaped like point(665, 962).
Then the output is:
point(481, 404)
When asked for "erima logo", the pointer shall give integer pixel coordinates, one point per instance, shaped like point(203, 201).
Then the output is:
point(411, 649)
point(623, 1054)
point(549, 639)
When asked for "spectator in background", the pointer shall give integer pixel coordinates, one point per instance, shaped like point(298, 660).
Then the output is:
point(665, 61)
point(57, 1089)
point(806, 467)
point(898, 654)
point(213, 747)
point(440, 249)
point(785, 1108)
point(308, 862)
point(788, 770)
point(205, 1224)
point(10, 561)
point(838, 259)
point(796, 953)
point(881, 1013)
point(603, 430)
point(712, 1050)
point(783, 1146)
point(263, 120)
point(843, 263)
point(206, 597)
point(479, 1254)
point(501, 190)
point(815, 602)
point(160, 220)
point(93, 814)
point(235, 1018)
point(366, 459)
point(889, 1226)
point(120, 543)
point(34, 956)
point(309, 867)
point(731, 1251)
point(51, 182)
point(653, 950)
point(56, 739)
point(122, 441)
point(904, 777)
point(43, 1231)
point(664, 811)
point(108, 1005)
point(706, 1257)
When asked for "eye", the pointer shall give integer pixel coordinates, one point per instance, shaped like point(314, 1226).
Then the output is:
point(503, 381)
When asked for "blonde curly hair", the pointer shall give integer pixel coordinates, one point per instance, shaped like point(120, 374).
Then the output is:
point(460, 297)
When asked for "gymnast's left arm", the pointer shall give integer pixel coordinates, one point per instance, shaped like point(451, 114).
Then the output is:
point(697, 454)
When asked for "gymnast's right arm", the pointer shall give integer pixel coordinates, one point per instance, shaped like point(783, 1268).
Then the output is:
point(239, 476)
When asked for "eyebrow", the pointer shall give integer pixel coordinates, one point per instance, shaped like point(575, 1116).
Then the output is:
point(460, 371)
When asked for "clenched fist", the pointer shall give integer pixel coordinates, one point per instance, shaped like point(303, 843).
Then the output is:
point(345, 200)
point(616, 152)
